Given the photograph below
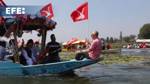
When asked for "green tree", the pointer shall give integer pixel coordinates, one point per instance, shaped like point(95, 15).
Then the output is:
point(130, 38)
point(120, 36)
point(145, 32)
point(126, 39)
point(116, 40)
point(111, 40)
point(107, 39)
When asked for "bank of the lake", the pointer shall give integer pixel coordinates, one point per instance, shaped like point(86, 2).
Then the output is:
point(110, 58)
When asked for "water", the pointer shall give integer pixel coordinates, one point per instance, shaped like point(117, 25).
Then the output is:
point(137, 73)
point(136, 52)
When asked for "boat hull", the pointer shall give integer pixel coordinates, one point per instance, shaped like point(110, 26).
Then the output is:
point(9, 68)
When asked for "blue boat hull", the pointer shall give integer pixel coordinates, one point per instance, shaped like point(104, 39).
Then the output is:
point(8, 68)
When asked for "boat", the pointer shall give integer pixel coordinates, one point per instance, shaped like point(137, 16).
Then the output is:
point(9, 68)
point(14, 68)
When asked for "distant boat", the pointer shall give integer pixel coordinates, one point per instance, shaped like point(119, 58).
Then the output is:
point(8, 68)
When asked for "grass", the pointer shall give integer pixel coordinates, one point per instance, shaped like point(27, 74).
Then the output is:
point(109, 58)
point(67, 55)
point(118, 59)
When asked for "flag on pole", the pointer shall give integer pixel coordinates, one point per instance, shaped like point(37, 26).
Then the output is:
point(81, 13)
point(47, 11)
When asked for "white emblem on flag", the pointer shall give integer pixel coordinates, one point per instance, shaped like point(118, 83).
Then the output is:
point(82, 16)
point(48, 13)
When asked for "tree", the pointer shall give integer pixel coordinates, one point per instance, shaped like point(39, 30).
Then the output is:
point(130, 38)
point(111, 40)
point(116, 40)
point(107, 39)
point(126, 39)
point(145, 32)
point(121, 36)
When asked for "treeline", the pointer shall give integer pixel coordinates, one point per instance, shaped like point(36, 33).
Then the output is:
point(144, 33)
point(127, 39)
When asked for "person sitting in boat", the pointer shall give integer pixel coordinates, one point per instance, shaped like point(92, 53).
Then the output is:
point(53, 48)
point(94, 50)
point(11, 46)
point(27, 57)
point(3, 51)
point(35, 50)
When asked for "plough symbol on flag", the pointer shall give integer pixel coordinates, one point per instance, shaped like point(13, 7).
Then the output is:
point(82, 16)
point(47, 11)
point(81, 13)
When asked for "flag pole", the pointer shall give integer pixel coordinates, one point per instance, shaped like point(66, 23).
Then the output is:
point(88, 20)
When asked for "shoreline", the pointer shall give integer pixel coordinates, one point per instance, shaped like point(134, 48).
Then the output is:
point(110, 58)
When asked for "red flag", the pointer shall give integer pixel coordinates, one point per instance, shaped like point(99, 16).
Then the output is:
point(47, 11)
point(81, 13)
point(2, 4)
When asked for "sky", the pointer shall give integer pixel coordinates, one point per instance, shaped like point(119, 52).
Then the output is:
point(109, 17)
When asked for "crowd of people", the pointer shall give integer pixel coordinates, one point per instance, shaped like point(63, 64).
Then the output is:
point(136, 45)
point(30, 53)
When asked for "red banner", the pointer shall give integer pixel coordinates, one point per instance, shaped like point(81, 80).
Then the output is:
point(47, 11)
point(81, 13)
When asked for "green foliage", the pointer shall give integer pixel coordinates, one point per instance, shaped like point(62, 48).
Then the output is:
point(107, 39)
point(116, 45)
point(108, 58)
point(118, 59)
point(145, 32)
point(129, 39)
point(111, 40)
point(126, 39)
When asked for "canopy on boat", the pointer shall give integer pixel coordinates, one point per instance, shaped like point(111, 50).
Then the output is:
point(25, 23)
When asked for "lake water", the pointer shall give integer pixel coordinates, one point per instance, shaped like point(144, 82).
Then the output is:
point(136, 52)
point(137, 73)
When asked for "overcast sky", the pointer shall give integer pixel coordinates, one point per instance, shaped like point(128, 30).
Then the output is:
point(109, 17)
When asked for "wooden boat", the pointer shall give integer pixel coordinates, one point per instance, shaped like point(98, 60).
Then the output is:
point(8, 68)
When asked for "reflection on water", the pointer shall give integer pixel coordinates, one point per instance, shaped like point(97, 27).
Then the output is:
point(137, 73)
point(136, 52)
point(44, 80)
